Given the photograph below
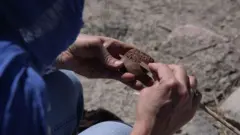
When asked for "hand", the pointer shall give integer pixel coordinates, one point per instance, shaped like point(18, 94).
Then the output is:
point(168, 104)
point(97, 57)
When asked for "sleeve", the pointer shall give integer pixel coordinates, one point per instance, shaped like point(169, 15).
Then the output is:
point(22, 93)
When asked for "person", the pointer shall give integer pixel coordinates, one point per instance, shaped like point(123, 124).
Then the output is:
point(40, 92)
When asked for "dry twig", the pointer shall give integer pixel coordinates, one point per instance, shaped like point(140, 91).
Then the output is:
point(220, 119)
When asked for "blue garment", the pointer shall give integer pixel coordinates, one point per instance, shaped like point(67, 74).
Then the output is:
point(32, 34)
point(65, 102)
point(108, 128)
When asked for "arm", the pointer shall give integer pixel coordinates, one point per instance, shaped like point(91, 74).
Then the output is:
point(143, 127)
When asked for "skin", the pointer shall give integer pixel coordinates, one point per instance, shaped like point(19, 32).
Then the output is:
point(168, 104)
point(97, 57)
point(163, 107)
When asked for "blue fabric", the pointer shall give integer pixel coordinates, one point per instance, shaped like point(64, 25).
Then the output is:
point(108, 128)
point(65, 102)
point(46, 27)
point(32, 34)
point(21, 93)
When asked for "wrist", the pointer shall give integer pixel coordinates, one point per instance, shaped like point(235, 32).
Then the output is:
point(149, 126)
point(143, 127)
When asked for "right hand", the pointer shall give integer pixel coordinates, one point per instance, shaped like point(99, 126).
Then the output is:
point(168, 104)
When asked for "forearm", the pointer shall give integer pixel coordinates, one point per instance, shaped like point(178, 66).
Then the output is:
point(141, 129)
point(146, 127)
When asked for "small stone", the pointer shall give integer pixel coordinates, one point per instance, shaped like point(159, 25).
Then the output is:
point(155, 48)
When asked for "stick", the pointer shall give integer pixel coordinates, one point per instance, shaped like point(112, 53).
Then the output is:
point(220, 119)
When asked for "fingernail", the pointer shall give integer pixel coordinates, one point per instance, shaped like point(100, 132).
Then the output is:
point(118, 62)
point(151, 64)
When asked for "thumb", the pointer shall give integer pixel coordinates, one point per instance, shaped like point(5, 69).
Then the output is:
point(109, 61)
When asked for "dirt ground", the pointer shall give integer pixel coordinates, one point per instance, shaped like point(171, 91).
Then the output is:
point(203, 35)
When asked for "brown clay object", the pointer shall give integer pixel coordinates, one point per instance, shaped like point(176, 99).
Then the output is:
point(139, 56)
point(135, 62)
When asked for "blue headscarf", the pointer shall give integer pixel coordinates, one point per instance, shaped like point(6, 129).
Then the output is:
point(32, 34)
point(45, 27)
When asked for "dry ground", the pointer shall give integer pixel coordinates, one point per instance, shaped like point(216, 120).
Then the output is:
point(203, 35)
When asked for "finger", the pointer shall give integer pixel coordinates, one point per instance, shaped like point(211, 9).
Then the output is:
point(110, 41)
point(137, 85)
point(163, 72)
point(130, 80)
point(182, 78)
point(196, 100)
point(146, 80)
point(167, 80)
point(115, 47)
point(193, 82)
point(127, 77)
point(194, 92)
point(109, 61)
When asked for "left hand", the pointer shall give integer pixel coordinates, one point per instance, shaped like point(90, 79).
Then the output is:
point(97, 57)
point(168, 104)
